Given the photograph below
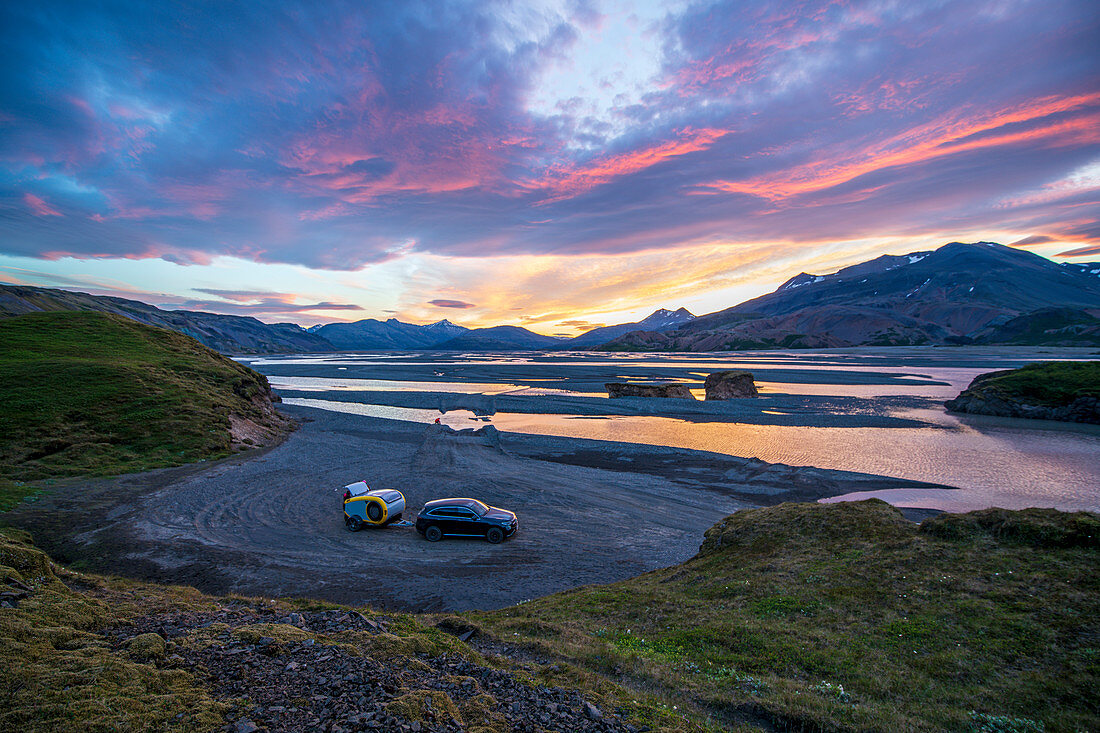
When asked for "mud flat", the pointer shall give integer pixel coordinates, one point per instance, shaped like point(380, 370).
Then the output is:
point(271, 524)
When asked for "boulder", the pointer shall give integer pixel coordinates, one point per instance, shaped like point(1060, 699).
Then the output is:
point(730, 385)
point(673, 391)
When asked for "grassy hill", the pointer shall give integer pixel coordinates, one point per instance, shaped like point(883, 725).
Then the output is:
point(848, 617)
point(86, 393)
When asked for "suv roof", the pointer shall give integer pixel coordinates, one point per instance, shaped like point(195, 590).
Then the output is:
point(458, 501)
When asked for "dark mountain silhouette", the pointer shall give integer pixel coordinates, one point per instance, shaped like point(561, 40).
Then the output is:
point(959, 293)
point(499, 338)
point(370, 334)
point(658, 320)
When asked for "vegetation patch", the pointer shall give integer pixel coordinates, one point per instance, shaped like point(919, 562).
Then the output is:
point(58, 674)
point(848, 617)
point(85, 393)
point(1053, 383)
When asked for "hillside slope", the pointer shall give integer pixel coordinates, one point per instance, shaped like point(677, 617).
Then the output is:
point(847, 617)
point(95, 393)
point(958, 293)
point(227, 334)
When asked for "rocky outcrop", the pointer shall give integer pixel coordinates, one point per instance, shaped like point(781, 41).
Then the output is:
point(277, 668)
point(1063, 391)
point(1083, 409)
point(730, 385)
point(625, 389)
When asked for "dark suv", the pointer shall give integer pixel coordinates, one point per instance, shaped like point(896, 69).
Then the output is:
point(465, 518)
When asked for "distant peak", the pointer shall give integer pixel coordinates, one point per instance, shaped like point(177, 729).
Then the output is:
point(666, 313)
point(444, 322)
point(802, 278)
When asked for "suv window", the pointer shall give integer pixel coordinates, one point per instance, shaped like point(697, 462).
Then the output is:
point(464, 514)
point(444, 512)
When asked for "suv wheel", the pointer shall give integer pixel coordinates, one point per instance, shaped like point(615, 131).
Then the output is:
point(494, 535)
point(433, 534)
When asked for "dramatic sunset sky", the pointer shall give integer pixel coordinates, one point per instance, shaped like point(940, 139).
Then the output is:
point(547, 164)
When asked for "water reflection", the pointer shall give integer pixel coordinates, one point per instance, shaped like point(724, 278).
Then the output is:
point(997, 461)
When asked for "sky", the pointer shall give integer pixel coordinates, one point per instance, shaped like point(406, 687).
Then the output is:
point(554, 165)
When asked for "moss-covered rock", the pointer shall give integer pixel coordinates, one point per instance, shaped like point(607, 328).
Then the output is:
point(146, 647)
point(20, 559)
point(425, 706)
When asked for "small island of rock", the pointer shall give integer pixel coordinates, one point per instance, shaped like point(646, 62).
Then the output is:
point(1066, 390)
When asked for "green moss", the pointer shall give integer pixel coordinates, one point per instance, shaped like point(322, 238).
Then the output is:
point(425, 706)
point(146, 647)
point(14, 492)
point(1052, 383)
point(1031, 527)
point(57, 674)
point(95, 394)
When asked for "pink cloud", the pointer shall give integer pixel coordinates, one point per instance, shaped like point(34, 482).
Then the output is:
point(933, 140)
point(38, 206)
point(165, 252)
point(566, 181)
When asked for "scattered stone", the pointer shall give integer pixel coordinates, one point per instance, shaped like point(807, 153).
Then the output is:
point(730, 385)
point(315, 686)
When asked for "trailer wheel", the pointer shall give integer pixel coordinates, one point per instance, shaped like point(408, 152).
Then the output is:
point(374, 511)
point(354, 524)
point(433, 534)
point(494, 535)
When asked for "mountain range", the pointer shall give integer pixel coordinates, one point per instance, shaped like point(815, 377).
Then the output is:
point(960, 293)
point(370, 334)
point(982, 293)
